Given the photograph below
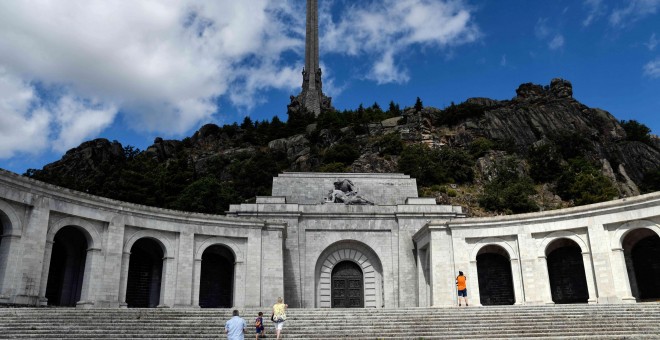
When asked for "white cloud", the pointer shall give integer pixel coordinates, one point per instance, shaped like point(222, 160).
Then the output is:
point(77, 120)
point(503, 60)
point(652, 43)
point(595, 9)
point(635, 10)
point(652, 68)
point(557, 42)
point(541, 29)
point(22, 130)
point(383, 30)
point(161, 64)
point(544, 32)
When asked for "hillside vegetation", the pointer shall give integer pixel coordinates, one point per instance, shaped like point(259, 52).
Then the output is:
point(540, 150)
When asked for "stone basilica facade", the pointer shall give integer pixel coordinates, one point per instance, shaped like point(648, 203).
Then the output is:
point(320, 241)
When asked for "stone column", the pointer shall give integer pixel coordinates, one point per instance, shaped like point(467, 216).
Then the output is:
point(474, 296)
point(87, 291)
point(621, 276)
point(44, 273)
point(110, 265)
point(543, 266)
point(197, 277)
point(422, 285)
point(185, 270)
point(9, 251)
point(517, 282)
point(443, 282)
point(167, 284)
point(589, 274)
point(123, 278)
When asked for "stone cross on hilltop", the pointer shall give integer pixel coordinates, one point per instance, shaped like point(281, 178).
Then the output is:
point(311, 98)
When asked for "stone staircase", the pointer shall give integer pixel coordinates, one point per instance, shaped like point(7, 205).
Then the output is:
point(628, 321)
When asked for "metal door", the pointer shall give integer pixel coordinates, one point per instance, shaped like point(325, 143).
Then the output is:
point(347, 286)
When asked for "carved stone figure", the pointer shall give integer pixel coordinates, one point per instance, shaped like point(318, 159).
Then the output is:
point(345, 191)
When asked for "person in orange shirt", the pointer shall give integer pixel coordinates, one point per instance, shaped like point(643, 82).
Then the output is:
point(462, 288)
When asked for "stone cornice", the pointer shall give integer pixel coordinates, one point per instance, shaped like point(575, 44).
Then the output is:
point(587, 211)
point(29, 188)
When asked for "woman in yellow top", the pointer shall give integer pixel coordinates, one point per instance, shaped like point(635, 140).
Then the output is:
point(279, 315)
point(462, 288)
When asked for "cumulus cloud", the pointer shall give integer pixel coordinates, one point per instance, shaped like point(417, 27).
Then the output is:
point(652, 68)
point(162, 66)
point(21, 128)
point(383, 30)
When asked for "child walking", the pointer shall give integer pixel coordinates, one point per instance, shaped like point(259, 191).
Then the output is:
point(259, 324)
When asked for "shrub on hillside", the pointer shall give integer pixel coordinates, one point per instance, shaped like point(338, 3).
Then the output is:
point(508, 191)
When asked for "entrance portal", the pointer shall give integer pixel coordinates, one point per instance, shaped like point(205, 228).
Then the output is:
point(495, 279)
point(568, 282)
point(216, 286)
point(642, 252)
point(67, 267)
point(347, 286)
point(144, 274)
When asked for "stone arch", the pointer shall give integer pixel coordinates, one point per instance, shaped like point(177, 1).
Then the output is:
point(513, 255)
point(507, 251)
point(568, 272)
point(542, 251)
point(218, 240)
point(67, 269)
point(639, 244)
point(11, 224)
point(10, 233)
point(362, 255)
point(616, 242)
point(216, 287)
point(86, 227)
point(146, 276)
point(159, 237)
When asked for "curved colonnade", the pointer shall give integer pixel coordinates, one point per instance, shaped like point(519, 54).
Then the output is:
point(65, 248)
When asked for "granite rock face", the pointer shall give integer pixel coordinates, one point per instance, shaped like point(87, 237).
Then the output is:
point(532, 117)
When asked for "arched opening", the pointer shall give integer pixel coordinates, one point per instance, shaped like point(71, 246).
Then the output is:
point(4, 247)
point(568, 283)
point(347, 285)
point(67, 267)
point(495, 277)
point(374, 286)
point(216, 285)
point(144, 274)
point(641, 248)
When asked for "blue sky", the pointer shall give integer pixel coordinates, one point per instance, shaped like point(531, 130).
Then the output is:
point(75, 70)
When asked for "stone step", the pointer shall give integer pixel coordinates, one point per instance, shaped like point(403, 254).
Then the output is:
point(568, 321)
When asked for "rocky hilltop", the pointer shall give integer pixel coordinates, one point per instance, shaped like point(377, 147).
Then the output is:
point(542, 148)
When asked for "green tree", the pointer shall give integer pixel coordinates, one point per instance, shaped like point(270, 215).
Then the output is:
point(418, 105)
point(635, 131)
point(341, 153)
point(431, 167)
point(206, 195)
point(390, 144)
point(545, 163)
point(651, 181)
point(508, 191)
point(394, 109)
point(583, 183)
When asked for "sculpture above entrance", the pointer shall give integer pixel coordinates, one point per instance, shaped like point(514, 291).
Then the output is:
point(345, 191)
